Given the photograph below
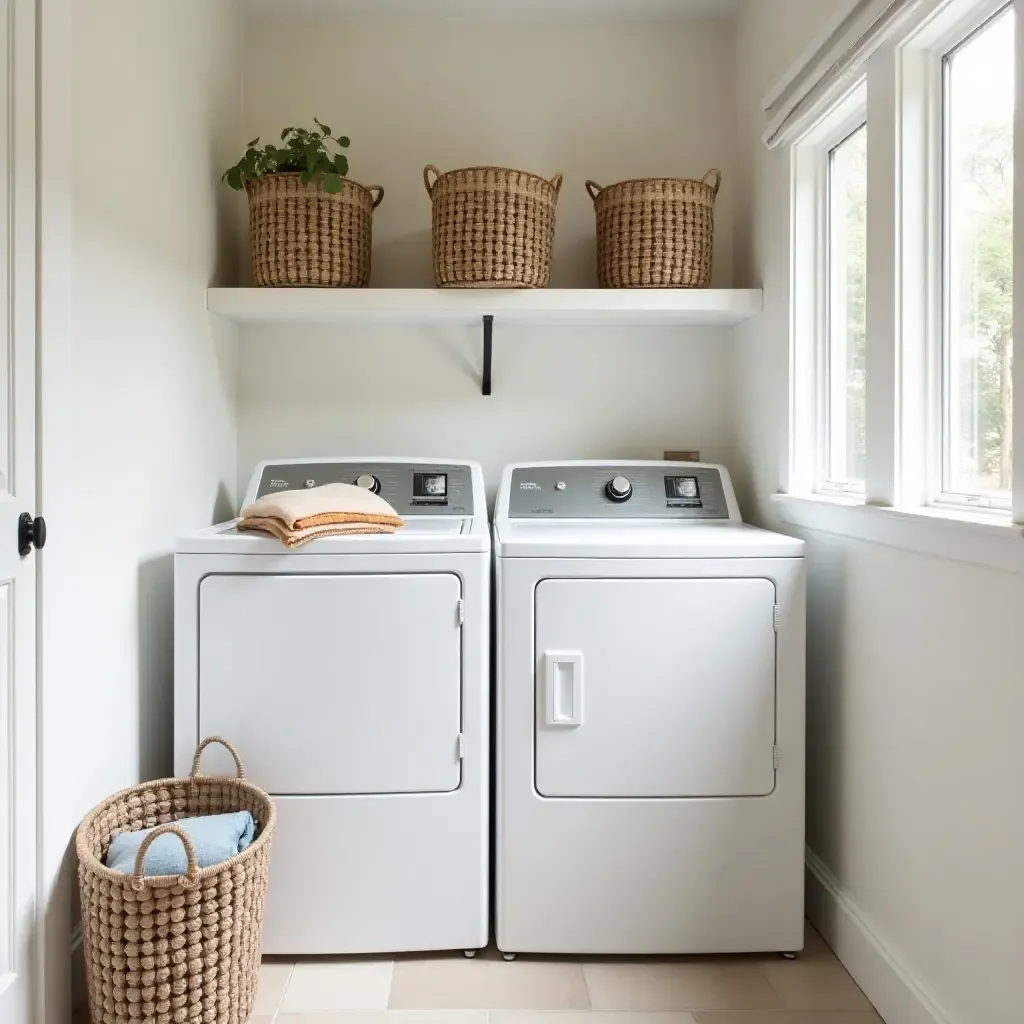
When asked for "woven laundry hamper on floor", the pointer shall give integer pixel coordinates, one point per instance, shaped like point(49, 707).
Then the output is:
point(174, 948)
point(655, 232)
point(492, 227)
point(304, 235)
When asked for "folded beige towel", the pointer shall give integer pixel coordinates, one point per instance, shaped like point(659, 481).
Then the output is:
point(295, 517)
point(293, 538)
point(329, 504)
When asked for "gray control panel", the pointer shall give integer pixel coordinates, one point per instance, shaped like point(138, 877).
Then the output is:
point(669, 491)
point(412, 489)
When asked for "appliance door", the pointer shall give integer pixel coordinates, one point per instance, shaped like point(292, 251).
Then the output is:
point(655, 687)
point(335, 683)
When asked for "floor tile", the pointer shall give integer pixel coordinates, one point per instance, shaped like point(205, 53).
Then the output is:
point(485, 984)
point(386, 1017)
point(787, 1017)
point(815, 947)
point(682, 986)
point(323, 987)
point(273, 978)
point(591, 1017)
point(815, 986)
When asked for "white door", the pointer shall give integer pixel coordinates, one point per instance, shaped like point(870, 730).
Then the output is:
point(655, 687)
point(17, 497)
point(335, 684)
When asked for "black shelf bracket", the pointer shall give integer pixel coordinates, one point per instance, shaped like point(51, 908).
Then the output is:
point(485, 386)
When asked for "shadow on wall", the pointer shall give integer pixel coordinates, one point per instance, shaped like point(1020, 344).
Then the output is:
point(223, 505)
point(826, 614)
point(403, 262)
point(156, 653)
point(156, 667)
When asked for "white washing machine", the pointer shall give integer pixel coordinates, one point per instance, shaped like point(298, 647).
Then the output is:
point(353, 675)
point(650, 715)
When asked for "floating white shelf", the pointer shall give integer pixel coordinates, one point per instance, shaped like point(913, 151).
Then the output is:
point(718, 307)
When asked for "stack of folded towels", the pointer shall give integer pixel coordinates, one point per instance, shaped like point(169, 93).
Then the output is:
point(295, 517)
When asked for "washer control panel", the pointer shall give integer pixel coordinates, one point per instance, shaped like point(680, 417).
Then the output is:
point(412, 489)
point(670, 490)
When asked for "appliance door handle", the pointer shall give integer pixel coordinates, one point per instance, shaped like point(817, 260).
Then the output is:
point(563, 672)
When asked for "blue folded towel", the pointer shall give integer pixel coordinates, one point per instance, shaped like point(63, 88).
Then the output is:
point(216, 837)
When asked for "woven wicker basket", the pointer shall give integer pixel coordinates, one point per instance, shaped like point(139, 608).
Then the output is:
point(169, 948)
point(655, 232)
point(493, 227)
point(303, 235)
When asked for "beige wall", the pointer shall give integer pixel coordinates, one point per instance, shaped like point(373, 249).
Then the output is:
point(140, 107)
point(591, 99)
point(915, 701)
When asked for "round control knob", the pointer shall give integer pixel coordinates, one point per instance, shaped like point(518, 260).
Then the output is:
point(619, 489)
point(369, 481)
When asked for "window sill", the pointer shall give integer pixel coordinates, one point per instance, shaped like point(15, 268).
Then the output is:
point(974, 537)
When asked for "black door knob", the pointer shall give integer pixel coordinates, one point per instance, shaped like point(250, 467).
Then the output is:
point(31, 533)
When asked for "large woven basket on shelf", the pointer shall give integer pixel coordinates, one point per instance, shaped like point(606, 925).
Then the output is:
point(492, 227)
point(304, 235)
point(174, 948)
point(655, 232)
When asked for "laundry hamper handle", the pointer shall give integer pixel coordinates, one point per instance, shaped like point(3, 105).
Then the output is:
point(224, 743)
point(192, 872)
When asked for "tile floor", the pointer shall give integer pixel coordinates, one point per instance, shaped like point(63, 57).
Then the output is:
point(449, 989)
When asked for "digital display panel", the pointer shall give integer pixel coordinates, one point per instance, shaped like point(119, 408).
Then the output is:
point(682, 488)
point(430, 485)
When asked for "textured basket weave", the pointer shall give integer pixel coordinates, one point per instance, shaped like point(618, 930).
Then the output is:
point(655, 232)
point(493, 227)
point(303, 235)
point(178, 948)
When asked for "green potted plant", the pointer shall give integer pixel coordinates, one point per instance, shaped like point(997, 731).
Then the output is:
point(309, 223)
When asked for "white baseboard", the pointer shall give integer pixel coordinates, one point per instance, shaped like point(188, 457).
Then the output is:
point(897, 995)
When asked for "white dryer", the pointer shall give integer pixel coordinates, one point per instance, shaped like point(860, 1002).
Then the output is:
point(649, 715)
point(353, 675)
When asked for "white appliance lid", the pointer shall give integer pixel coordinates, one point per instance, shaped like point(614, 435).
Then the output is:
point(425, 535)
point(640, 539)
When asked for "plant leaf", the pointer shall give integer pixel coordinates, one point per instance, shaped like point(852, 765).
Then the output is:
point(343, 142)
point(249, 145)
point(332, 182)
point(341, 164)
point(320, 124)
point(285, 133)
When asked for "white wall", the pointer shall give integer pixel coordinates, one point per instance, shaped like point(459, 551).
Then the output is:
point(915, 714)
point(604, 100)
point(140, 112)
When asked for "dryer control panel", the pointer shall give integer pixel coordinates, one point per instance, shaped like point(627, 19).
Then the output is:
point(623, 490)
point(411, 488)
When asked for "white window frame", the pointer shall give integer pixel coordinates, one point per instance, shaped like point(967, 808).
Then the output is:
point(903, 84)
point(811, 347)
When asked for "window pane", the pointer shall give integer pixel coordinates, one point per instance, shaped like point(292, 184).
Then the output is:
point(845, 356)
point(978, 284)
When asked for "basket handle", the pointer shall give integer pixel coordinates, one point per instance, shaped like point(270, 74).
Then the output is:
point(380, 194)
point(224, 743)
point(593, 189)
point(192, 872)
point(426, 178)
point(716, 180)
point(556, 183)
